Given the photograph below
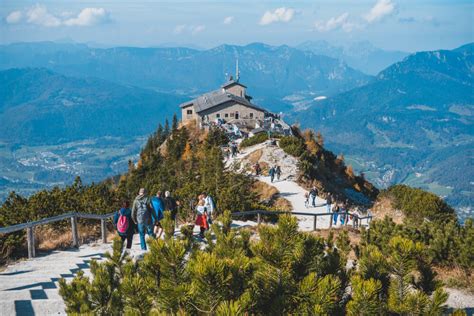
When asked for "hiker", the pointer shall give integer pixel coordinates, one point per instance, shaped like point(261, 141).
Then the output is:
point(355, 217)
point(343, 217)
point(306, 199)
point(257, 169)
point(271, 172)
point(141, 215)
point(278, 172)
point(201, 218)
point(335, 211)
point(124, 224)
point(227, 154)
point(171, 205)
point(210, 207)
point(233, 149)
point(158, 209)
point(313, 193)
point(328, 202)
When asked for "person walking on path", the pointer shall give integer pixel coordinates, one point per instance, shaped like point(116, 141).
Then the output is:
point(158, 209)
point(343, 217)
point(210, 207)
point(278, 172)
point(141, 215)
point(271, 172)
point(257, 169)
point(201, 218)
point(171, 205)
point(313, 193)
point(124, 224)
point(335, 211)
point(328, 202)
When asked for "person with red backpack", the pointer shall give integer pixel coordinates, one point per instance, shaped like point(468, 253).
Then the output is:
point(124, 224)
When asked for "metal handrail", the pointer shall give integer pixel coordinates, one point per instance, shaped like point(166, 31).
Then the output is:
point(29, 226)
point(315, 215)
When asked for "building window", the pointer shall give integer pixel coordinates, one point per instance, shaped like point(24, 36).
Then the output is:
point(236, 115)
point(189, 112)
point(218, 115)
point(232, 114)
point(251, 115)
point(226, 115)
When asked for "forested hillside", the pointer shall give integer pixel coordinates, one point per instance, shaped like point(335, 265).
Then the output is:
point(410, 125)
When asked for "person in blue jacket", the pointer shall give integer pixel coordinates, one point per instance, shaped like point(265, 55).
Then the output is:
point(158, 208)
point(125, 226)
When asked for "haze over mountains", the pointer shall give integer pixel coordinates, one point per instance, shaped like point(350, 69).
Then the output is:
point(409, 123)
point(412, 124)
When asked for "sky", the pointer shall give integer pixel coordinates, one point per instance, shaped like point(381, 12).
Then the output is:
point(406, 25)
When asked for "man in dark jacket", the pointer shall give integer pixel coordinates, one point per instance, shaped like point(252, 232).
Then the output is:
point(313, 193)
point(171, 205)
point(141, 215)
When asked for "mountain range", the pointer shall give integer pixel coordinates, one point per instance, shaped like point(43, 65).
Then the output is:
point(413, 123)
point(271, 72)
point(410, 123)
point(363, 55)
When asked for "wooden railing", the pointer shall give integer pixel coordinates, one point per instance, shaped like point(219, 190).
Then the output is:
point(30, 226)
point(355, 217)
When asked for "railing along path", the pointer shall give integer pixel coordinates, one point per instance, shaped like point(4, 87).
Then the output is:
point(30, 237)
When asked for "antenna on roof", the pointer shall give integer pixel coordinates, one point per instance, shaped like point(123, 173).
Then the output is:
point(237, 74)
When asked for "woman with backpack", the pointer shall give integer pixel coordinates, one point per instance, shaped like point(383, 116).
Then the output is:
point(124, 224)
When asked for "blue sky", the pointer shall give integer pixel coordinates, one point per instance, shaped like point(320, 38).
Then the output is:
point(390, 24)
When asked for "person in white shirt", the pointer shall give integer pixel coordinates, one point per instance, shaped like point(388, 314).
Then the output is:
point(210, 206)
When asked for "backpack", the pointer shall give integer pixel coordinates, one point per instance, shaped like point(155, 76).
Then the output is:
point(122, 223)
point(143, 214)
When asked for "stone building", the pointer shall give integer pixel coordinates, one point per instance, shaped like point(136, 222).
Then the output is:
point(229, 104)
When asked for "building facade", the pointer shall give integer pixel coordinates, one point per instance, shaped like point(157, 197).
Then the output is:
point(229, 103)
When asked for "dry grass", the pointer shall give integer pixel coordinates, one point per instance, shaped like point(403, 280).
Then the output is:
point(47, 238)
point(264, 191)
point(282, 204)
point(384, 207)
point(254, 156)
point(455, 278)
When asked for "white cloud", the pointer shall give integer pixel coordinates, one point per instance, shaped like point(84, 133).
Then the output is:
point(334, 23)
point(179, 28)
point(39, 15)
point(380, 10)
point(89, 17)
point(14, 17)
point(278, 15)
point(193, 29)
point(197, 29)
point(229, 20)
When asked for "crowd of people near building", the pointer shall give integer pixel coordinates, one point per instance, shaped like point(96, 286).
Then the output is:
point(146, 213)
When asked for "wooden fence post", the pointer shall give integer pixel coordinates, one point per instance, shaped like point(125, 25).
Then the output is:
point(75, 234)
point(30, 238)
point(103, 230)
point(315, 222)
point(346, 219)
point(259, 219)
point(330, 220)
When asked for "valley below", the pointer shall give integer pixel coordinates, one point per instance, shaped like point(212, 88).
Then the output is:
point(27, 169)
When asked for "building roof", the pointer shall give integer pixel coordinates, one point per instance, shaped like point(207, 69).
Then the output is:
point(231, 83)
point(215, 98)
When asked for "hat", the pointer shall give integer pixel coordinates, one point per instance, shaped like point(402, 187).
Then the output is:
point(167, 193)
